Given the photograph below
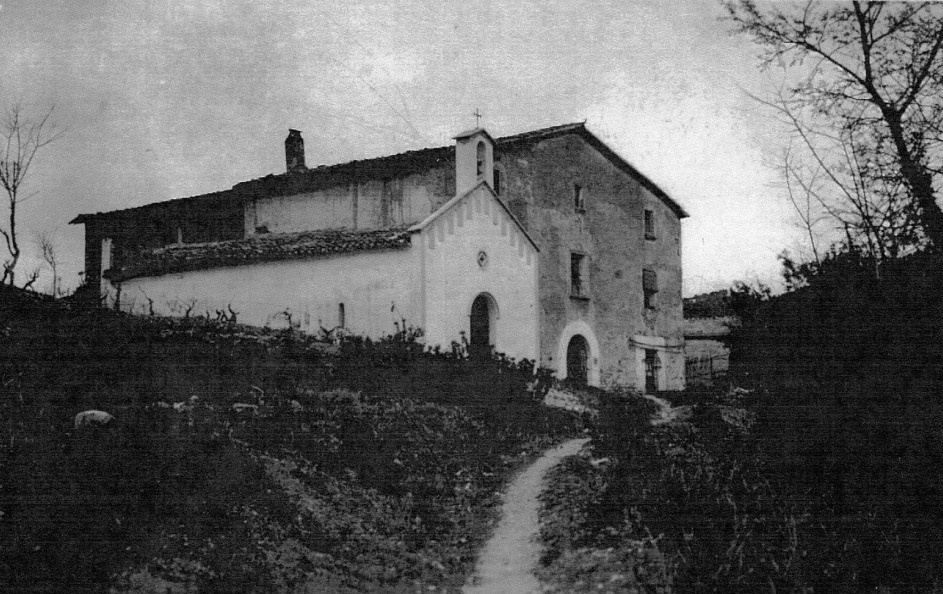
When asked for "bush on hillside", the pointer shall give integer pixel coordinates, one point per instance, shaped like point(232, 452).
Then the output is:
point(682, 506)
point(574, 559)
point(848, 365)
point(244, 459)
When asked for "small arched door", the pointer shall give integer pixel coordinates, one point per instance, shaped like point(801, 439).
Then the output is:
point(482, 333)
point(577, 360)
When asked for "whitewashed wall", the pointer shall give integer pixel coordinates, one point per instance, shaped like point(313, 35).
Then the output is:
point(354, 206)
point(432, 284)
point(369, 284)
point(453, 278)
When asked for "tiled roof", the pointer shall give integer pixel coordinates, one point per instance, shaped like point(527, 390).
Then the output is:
point(210, 201)
point(259, 248)
point(402, 164)
point(326, 176)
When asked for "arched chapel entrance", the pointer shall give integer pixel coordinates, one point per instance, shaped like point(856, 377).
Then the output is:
point(577, 360)
point(482, 326)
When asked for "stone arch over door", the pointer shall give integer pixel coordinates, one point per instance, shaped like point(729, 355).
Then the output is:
point(482, 324)
point(582, 329)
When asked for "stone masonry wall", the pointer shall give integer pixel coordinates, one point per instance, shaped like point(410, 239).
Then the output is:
point(540, 189)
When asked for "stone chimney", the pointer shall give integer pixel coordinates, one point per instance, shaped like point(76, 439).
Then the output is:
point(295, 152)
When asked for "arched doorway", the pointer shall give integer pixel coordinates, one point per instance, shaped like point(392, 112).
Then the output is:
point(482, 318)
point(577, 360)
point(561, 358)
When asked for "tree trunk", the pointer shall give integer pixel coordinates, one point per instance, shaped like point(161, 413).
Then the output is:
point(918, 180)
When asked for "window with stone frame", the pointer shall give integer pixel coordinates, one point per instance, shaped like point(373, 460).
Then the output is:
point(649, 287)
point(649, 224)
point(578, 276)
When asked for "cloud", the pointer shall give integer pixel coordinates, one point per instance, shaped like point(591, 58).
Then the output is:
point(385, 66)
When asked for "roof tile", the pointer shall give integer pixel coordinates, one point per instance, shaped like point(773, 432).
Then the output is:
point(259, 248)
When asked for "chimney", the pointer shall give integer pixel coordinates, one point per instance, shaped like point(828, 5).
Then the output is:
point(295, 151)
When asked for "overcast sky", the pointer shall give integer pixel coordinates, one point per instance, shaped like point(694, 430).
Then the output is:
point(170, 99)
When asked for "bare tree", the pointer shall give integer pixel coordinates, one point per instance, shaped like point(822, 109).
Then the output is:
point(804, 200)
point(832, 190)
point(50, 254)
point(31, 280)
point(21, 138)
point(870, 86)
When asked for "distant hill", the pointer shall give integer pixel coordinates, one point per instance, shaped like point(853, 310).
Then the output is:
point(715, 304)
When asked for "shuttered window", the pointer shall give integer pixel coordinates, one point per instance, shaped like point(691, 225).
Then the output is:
point(579, 198)
point(649, 287)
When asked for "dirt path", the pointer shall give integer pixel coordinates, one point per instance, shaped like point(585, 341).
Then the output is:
point(508, 559)
point(665, 413)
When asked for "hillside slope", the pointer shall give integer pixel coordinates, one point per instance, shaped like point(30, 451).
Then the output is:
point(248, 460)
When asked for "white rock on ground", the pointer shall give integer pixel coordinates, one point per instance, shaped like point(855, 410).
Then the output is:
point(562, 399)
point(92, 418)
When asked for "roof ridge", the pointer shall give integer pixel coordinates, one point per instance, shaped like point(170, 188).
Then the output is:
point(412, 152)
point(406, 162)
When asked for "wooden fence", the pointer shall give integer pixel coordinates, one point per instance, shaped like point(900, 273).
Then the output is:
point(706, 369)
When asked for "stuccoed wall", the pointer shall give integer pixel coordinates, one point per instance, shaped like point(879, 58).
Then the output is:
point(453, 278)
point(431, 285)
point(369, 204)
point(376, 288)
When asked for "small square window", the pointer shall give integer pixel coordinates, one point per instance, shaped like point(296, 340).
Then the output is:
point(579, 198)
point(649, 224)
point(577, 275)
point(649, 287)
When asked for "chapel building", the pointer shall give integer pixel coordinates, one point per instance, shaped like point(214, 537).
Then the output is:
point(544, 245)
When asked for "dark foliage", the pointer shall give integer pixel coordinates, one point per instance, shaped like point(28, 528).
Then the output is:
point(708, 305)
point(696, 487)
point(848, 366)
point(399, 451)
point(739, 301)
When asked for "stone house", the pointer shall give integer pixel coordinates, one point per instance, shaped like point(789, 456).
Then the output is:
point(544, 245)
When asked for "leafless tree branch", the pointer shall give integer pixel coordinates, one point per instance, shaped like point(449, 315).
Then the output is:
point(21, 139)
